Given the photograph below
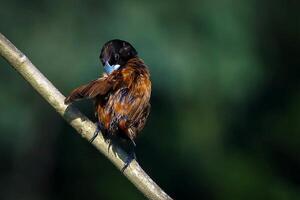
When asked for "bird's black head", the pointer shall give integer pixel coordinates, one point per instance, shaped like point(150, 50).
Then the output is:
point(116, 53)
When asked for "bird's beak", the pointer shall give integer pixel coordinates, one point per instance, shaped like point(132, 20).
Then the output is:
point(110, 68)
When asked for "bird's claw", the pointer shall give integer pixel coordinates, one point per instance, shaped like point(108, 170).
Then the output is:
point(128, 160)
point(96, 133)
point(127, 163)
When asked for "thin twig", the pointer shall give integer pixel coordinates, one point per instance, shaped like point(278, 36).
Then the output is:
point(77, 120)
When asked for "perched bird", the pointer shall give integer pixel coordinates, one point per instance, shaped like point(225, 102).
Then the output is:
point(121, 96)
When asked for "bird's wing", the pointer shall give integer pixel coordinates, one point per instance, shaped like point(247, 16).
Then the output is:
point(140, 121)
point(100, 86)
point(130, 102)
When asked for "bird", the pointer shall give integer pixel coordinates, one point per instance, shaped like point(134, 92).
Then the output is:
point(121, 95)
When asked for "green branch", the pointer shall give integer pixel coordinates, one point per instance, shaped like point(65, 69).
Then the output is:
point(77, 120)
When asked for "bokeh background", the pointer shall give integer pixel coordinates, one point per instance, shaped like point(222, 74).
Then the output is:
point(225, 105)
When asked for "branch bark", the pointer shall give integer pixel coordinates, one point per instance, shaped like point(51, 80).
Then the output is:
point(77, 120)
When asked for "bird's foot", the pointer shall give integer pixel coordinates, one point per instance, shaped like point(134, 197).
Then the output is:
point(130, 157)
point(128, 160)
point(96, 133)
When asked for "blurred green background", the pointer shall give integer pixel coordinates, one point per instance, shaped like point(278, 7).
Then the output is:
point(225, 111)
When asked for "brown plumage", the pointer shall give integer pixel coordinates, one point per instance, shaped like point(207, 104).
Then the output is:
point(121, 96)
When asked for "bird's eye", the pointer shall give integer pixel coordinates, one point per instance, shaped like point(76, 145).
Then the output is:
point(117, 57)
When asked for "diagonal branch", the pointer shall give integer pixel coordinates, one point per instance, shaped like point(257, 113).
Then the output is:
point(77, 120)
